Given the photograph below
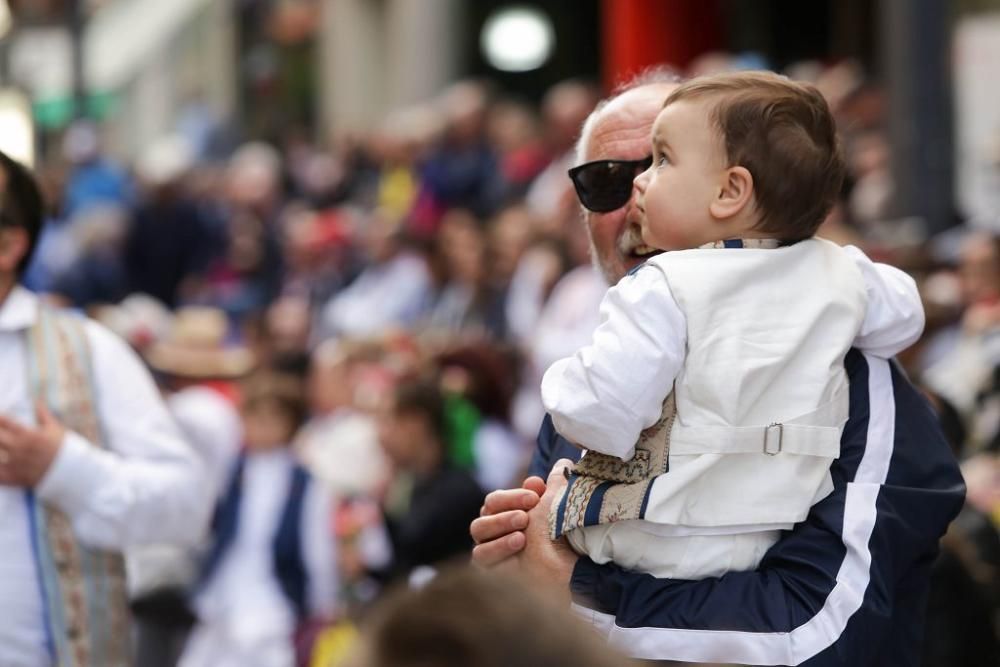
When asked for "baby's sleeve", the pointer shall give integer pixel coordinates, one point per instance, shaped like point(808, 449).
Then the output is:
point(603, 396)
point(894, 318)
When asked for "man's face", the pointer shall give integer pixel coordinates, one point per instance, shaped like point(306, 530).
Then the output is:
point(622, 133)
point(403, 434)
point(13, 242)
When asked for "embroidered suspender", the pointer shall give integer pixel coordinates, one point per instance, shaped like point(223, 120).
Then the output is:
point(604, 488)
point(83, 589)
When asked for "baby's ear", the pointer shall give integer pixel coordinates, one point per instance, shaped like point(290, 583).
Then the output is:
point(734, 194)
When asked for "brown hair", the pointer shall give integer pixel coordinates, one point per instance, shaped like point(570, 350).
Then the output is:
point(471, 618)
point(783, 133)
point(422, 396)
point(269, 389)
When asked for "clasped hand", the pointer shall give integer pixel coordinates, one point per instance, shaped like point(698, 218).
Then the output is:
point(512, 531)
point(26, 452)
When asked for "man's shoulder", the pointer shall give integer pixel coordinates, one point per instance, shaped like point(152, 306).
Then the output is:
point(106, 350)
point(102, 339)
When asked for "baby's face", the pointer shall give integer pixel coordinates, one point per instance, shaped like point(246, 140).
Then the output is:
point(687, 175)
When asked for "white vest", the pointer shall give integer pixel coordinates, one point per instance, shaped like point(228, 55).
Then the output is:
point(758, 354)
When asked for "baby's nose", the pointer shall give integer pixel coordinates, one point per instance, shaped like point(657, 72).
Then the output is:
point(640, 181)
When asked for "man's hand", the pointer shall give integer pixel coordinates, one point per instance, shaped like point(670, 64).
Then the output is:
point(513, 530)
point(549, 562)
point(26, 452)
point(499, 530)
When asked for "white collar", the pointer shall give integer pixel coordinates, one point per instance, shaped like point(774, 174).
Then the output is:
point(19, 310)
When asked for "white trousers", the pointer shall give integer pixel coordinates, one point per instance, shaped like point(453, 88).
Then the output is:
point(635, 545)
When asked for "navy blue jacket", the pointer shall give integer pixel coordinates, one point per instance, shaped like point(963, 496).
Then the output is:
point(846, 587)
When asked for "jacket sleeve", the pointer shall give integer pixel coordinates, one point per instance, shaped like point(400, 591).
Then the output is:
point(894, 317)
point(842, 582)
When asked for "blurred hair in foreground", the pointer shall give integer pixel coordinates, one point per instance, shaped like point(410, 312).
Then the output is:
point(468, 617)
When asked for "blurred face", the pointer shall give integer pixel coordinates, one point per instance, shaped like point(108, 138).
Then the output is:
point(266, 426)
point(246, 244)
point(509, 238)
point(403, 435)
point(622, 132)
point(288, 321)
point(462, 246)
point(379, 238)
point(675, 193)
point(565, 112)
point(330, 386)
point(980, 270)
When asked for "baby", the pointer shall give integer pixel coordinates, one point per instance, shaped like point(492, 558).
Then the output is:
point(712, 398)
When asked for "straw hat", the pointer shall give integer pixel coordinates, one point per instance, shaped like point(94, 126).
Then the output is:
point(197, 349)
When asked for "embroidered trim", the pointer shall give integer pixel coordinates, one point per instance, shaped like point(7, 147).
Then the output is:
point(604, 489)
point(84, 588)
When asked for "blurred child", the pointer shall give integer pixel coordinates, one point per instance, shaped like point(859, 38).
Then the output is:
point(339, 442)
point(272, 563)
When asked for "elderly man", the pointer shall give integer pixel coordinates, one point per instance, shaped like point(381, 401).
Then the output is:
point(845, 587)
point(90, 463)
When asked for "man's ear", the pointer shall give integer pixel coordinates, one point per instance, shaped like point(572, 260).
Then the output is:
point(13, 247)
point(734, 195)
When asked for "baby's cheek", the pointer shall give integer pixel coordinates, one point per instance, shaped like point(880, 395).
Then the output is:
point(658, 231)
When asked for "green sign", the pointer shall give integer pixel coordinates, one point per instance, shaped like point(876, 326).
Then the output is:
point(52, 113)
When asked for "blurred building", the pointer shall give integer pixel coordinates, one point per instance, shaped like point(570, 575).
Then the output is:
point(276, 69)
point(142, 63)
point(377, 55)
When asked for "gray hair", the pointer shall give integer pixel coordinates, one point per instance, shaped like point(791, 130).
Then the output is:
point(651, 75)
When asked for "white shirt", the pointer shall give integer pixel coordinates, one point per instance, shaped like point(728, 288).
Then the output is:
point(566, 324)
point(245, 618)
point(211, 424)
point(145, 487)
point(390, 294)
point(500, 455)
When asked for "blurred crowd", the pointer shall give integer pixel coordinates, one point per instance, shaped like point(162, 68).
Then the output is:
point(353, 332)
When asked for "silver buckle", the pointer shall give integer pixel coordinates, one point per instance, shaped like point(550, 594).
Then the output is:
point(768, 438)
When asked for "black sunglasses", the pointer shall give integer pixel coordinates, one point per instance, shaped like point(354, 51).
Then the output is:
point(605, 185)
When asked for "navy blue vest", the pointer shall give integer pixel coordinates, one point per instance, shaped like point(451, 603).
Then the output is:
point(286, 550)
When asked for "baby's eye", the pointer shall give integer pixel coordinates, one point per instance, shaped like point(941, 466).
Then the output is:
point(661, 161)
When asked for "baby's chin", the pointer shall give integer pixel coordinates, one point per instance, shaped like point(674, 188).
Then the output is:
point(638, 255)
